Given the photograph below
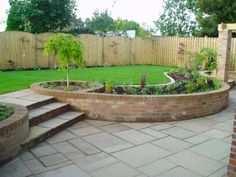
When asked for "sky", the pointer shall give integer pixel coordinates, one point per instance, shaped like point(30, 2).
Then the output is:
point(141, 11)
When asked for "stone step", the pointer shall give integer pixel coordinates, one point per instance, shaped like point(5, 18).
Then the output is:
point(41, 102)
point(46, 112)
point(50, 127)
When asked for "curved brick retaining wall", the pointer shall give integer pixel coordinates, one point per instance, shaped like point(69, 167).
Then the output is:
point(150, 108)
point(13, 131)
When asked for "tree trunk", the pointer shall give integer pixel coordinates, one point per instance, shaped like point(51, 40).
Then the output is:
point(67, 77)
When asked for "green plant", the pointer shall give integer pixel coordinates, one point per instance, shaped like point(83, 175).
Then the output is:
point(205, 59)
point(5, 111)
point(67, 49)
point(108, 87)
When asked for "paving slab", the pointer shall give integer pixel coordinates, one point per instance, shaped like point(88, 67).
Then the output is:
point(138, 126)
point(153, 133)
point(179, 172)
point(217, 134)
point(53, 159)
point(157, 167)
point(68, 150)
point(83, 146)
point(195, 162)
point(98, 123)
point(43, 151)
point(172, 144)
point(178, 132)
point(224, 127)
point(192, 126)
point(15, 168)
point(116, 170)
point(61, 136)
point(95, 161)
point(85, 131)
point(134, 137)
point(116, 127)
point(213, 149)
point(107, 142)
point(140, 155)
point(70, 171)
point(162, 126)
point(197, 139)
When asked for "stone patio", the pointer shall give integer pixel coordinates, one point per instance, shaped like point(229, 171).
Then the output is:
point(192, 148)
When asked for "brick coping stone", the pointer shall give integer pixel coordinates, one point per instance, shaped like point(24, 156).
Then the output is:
point(13, 131)
point(143, 108)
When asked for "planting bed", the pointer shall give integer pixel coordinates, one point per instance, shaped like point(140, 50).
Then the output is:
point(13, 131)
point(142, 108)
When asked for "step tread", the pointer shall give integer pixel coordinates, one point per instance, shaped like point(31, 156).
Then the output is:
point(49, 126)
point(60, 119)
point(45, 109)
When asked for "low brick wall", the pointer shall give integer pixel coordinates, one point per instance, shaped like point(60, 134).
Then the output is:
point(13, 131)
point(150, 108)
point(232, 159)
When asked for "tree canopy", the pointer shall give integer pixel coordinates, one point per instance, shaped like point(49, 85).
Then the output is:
point(176, 19)
point(38, 16)
point(210, 13)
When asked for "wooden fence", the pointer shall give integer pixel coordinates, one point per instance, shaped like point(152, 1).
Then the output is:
point(25, 50)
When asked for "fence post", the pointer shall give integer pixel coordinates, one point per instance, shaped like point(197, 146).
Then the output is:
point(103, 53)
point(36, 49)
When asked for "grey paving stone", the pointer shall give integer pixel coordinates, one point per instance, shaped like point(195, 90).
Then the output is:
point(37, 112)
point(195, 162)
point(157, 167)
point(43, 151)
point(116, 127)
point(172, 144)
point(161, 126)
point(53, 159)
point(179, 172)
point(94, 162)
point(192, 126)
point(17, 101)
point(197, 139)
point(61, 136)
point(107, 142)
point(208, 121)
point(53, 105)
point(68, 150)
point(69, 115)
point(217, 134)
point(178, 132)
point(213, 149)
point(84, 146)
point(15, 168)
point(220, 173)
point(85, 131)
point(98, 123)
point(137, 126)
point(67, 171)
point(116, 170)
point(135, 137)
point(153, 133)
point(52, 123)
point(34, 165)
point(80, 124)
point(140, 155)
point(224, 127)
point(37, 167)
point(27, 156)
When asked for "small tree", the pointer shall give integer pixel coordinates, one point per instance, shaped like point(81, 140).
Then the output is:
point(68, 50)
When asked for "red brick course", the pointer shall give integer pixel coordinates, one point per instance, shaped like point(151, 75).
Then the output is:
point(150, 108)
point(232, 160)
point(13, 131)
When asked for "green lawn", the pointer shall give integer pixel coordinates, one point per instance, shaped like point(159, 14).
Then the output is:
point(17, 80)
